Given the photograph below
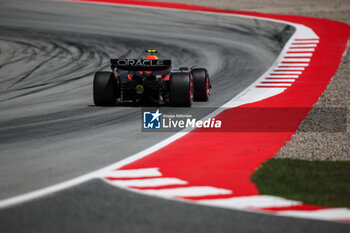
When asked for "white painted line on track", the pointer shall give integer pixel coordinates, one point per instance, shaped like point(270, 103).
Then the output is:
point(46, 191)
point(299, 55)
point(306, 41)
point(193, 191)
point(301, 49)
point(283, 76)
point(273, 88)
point(325, 214)
point(294, 64)
point(258, 201)
point(303, 45)
point(297, 59)
point(280, 80)
point(289, 68)
point(283, 81)
point(285, 72)
point(275, 84)
point(154, 182)
point(134, 173)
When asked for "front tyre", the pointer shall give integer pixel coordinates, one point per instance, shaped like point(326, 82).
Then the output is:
point(105, 89)
point(181, 89)
point(201, 84)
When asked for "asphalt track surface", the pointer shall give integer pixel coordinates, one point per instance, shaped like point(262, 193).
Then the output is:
point(50, 129)
point(51, 132)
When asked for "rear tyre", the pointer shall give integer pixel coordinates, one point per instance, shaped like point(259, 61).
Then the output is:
point(105, 89)
point(201, 84)
point(181, 89)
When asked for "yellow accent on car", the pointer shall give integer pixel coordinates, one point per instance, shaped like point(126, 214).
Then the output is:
point(139, 89)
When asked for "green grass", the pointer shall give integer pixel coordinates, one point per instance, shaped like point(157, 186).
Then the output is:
point(324, 183)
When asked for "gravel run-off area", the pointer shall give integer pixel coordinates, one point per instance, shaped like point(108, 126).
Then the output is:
point(308, 144)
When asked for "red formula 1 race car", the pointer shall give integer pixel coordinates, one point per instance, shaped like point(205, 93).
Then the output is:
point(150, 80)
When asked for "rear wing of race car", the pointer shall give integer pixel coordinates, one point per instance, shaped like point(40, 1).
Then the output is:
point(140, 64)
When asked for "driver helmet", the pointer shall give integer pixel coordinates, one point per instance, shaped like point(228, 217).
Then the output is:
point(151, 57)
